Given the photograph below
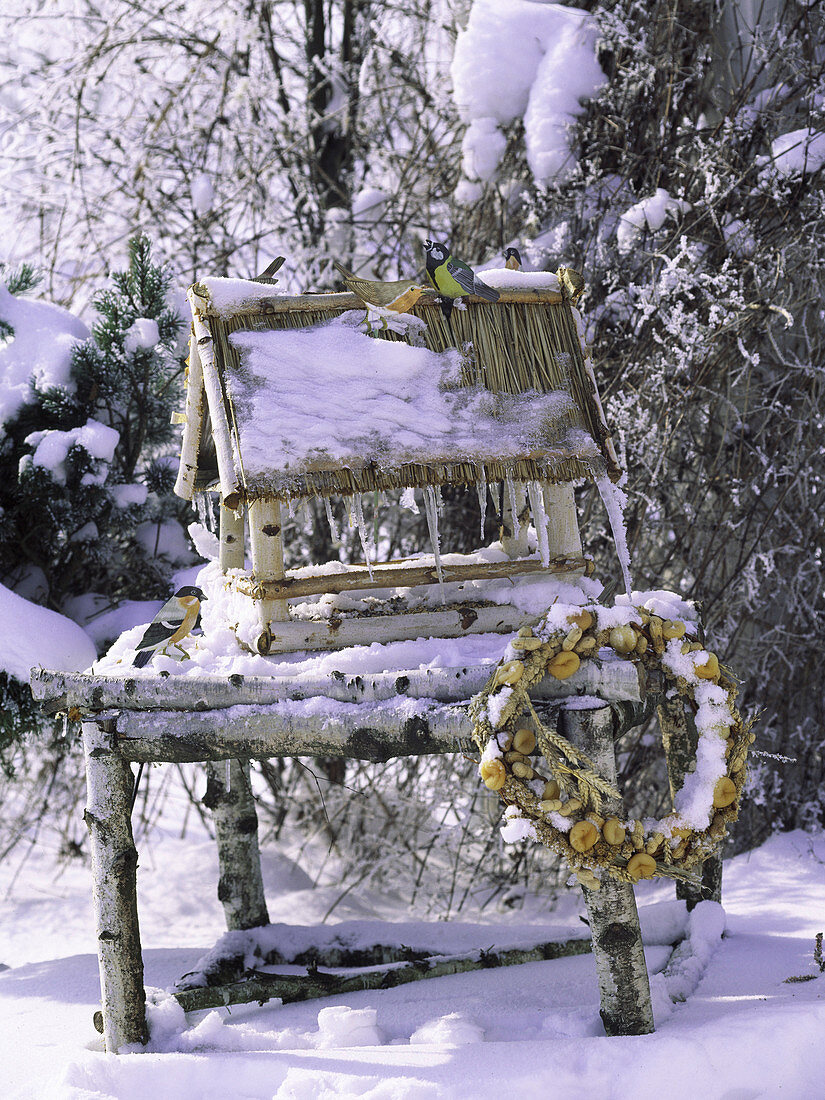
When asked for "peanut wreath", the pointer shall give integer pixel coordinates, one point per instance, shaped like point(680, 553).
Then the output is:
point(555, 790)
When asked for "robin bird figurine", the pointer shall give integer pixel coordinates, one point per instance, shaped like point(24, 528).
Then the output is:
point(512, 259)
point(177, 618)
point(398, 295)
point(453, 278)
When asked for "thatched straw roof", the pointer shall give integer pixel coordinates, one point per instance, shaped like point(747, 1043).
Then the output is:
point(286, 398)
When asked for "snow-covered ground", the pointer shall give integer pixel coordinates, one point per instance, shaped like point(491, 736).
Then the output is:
point(523, 1031)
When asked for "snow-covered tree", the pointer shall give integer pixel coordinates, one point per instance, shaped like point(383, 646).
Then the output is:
point(87, 455)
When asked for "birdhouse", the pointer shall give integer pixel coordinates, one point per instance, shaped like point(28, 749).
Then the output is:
point(323, 396)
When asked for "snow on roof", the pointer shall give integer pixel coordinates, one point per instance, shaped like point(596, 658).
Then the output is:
point(326, 395)
point(502, 278)
point(232, 295)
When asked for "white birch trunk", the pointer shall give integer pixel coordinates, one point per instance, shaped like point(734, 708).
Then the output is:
point(240, 885)
point(231, 539)
point(114, 891)
point(624, 987)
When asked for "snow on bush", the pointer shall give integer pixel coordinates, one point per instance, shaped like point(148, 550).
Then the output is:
point(40, 350)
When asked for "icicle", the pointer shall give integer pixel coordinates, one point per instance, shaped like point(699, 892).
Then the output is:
point(432, 522)
point(333, 526)
point(348, 510)
point(364, 532)
point(481, 489)
point(202, 509)
point(514, 509)
point(496, 497)
point(291, 508)
point(614, 500)
point(228, 776)
point(536, 498)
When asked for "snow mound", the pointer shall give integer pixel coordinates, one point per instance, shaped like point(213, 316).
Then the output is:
point(34, 635)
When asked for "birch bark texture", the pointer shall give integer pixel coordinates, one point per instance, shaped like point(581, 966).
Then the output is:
point(240, 884)
point(624, 987)
point(110, 784)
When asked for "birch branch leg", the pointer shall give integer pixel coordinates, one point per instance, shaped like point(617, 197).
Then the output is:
point(679, 737)
point(624, 987)
point(110, 783)
point(240, 885)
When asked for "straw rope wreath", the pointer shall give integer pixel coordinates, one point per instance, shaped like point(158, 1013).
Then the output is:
point(556, 790)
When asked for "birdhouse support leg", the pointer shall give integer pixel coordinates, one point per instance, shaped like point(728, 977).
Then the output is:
point(110, 784)
point(231, 539)
point(240, 885)
point(624, 987)
point(265, 535)
point(563, 521)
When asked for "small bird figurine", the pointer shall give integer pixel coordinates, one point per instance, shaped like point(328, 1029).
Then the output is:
point(453, 278)
point(512, 259)
point(398, 295)
point(177, 618)
point(268, 272)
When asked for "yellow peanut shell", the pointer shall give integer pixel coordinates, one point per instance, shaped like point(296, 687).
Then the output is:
point(724, 793)
point(522, 771)
point(524, 740)
point(510, 673)
point(582, 619)
point(709, 669)
point(583, 836)
point(614, 832)
point(623, 638)
point(551, 789)
point(493, 774)
point(641, 865)
point(564, 664)
point(673, 628)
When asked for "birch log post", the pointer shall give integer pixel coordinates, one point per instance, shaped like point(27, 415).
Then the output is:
point(266, 539)
point(110, 784)
point(624, 987)
point(563, 537)
point(240, 885)
point(231, 539)
point(680, 739)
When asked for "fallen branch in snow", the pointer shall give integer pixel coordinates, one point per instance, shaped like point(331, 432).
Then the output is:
point(288, 988)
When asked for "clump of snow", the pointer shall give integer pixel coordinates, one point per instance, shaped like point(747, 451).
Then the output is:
point(483, 147)
point(142, 334)
point(453, 1030)
point(125, 496)
point(515, 827)
point(496, 704)
point(368, 204)
point(34, 635)
point(202, 192)
point(706, 925)
point(647, 214)
point(341, 1026)
point(51, 448)
point(797, 151)
point(524, 60)
point(39, 351)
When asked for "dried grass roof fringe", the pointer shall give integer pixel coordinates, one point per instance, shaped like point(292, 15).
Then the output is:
point(528, 340)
